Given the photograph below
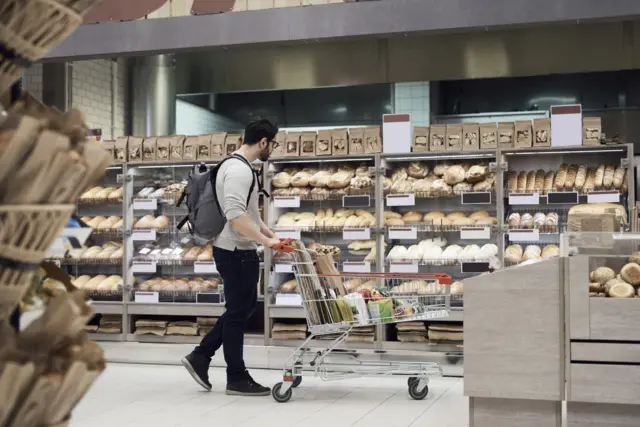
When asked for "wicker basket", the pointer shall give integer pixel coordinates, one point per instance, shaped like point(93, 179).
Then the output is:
point(26, 234)
point(29, 28)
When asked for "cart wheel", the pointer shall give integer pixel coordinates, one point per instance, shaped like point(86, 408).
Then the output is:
point(414, 393)
point(412, 380)
point(281, 397)
point(296, 382)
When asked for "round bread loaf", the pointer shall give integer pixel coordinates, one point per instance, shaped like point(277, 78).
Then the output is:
point(630, 273)
point(602, 275)
point(417, 170)
point(340, 179)
point(281, 180)
point(412, 218)
point(454, 175)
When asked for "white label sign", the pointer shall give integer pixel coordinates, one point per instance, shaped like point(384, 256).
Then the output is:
point(356, 233)
point(356, 267)
point(145, 204)
point(603, 197)
point(524, 235)
point(288, 299)
point(204, 267)
point(143, 234)
point(475, 233)
point(288, 234)
point(147, 297)
point(403, 233)
point(401, 200)
point(283, 268)
point(140, 266)
point(286, 201)
point(524, 199)
point(403, 267)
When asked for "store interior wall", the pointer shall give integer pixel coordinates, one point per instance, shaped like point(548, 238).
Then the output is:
point(192, 119)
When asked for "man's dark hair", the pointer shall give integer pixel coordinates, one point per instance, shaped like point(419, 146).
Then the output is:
point(255, 131)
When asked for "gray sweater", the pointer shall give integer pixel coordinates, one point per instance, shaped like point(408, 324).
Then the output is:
point(232, 187)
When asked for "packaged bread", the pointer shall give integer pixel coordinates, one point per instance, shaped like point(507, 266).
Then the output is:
point(176, 145)
point(549, 179)
point(121, 149)
point(470, 137)
point(308, 143)
point(289, 287)
point(591, 130)
point(217, 145)
point(135, 149)
point(561, 176)
point(581, 177)
point(190, 148)
point(488, 136)
point(454, 137)
point(523, 136)
point(420, 139)
point(232, 143)
point(522, 181)
point(162, 148)
point(505, 134)
point(542, 132)
point(607, 180)
point(618, 177)
point(531, 181)
point(572, 173)
point(356, 140)
point(149, 149)
point(372, 140)
point(599, 178)
point(578, 213)
point(437, 137)
point(323, 143)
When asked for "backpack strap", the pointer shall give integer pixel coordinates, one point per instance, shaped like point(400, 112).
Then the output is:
point(254, 173)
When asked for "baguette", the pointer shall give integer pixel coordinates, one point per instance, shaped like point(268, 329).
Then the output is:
point(581, 177)
point(599, 176)
point(618, 177)
point(561, 177)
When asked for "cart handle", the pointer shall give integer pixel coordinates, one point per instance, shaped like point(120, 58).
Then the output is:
point(443, 279)
point(283, 246)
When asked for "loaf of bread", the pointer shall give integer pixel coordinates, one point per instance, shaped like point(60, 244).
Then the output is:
point(513, 254)
point(572, 174)
point(590, 182)
point(479, 214)
point(454, 175)
point(476, 173)
point(340, 179)
point(526, 221)
point(281, 180)
point(581, 177)
point(512, 181)
point(161, 222)
point(522, 181)
point(561, 177)
point(412, 218)
point(609, 171)
point(539, 181)
point(599, 178)
point(625, 183)
point(618, 177)
point(513, 220)
point(549, 179)
point(417, 170)
point(531, 181)
point(301, 179)
point(432, 216)
point(577, 212)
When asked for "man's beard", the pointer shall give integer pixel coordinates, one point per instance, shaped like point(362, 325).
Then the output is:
point(264, 155)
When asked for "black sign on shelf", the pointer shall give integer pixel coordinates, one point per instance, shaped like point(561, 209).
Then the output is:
point(208, 298)
point(562, 198)
point(475, 267)
point(476, 198)
point(356, 201)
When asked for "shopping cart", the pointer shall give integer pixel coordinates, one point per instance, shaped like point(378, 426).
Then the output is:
point(380, 298)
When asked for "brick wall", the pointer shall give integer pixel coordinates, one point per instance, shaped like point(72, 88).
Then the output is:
point(32, 80)
point(413, 98)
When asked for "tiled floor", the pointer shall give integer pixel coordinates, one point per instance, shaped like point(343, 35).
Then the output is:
point(166, 396)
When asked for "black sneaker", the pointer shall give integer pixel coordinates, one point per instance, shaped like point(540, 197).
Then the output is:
point(198, 366)
point(247, 387)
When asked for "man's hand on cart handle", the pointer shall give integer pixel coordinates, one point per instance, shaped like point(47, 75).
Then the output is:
point(281, 245)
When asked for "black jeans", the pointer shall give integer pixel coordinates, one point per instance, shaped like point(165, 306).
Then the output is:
point(240, 271)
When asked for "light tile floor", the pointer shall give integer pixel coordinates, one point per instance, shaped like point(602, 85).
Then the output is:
point(166, 396)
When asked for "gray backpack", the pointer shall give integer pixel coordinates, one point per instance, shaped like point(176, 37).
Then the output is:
point(206, 218)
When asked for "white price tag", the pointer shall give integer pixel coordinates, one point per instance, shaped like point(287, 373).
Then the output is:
point(475, 233)
point(401, 200)
point(143, 266)
point(288, 299)
point(145, 204)
point(356, 267)
point(288, 234)
point(283, 268)
point(143, 234)
point(167, 251)
point(524, 199)
point(204, 267)
point(356, 234)
point(403, 266)
point(286, 201)
point(119, 178)
point(147, 297)
point(524, 235)
point(403, 233)
point(603, 197)
point(144, 251)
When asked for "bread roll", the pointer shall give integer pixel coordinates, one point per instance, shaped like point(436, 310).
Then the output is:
point(454, 175)
point(599, 179)
point(513, 220)
point(522, 181)
point(421, 185)
point(412, 218)
point(531, 181)
point(479, 214)
point(489, 220)
point(281, 180)
point(393, 222)
point(390, 214)
point(526, 221)
point(561, 177)
point(618, 177)
point(602, 275)
point(512, 181)
point(513, 254)
point(625, 183)
point(464, 221)
point(145, 222)
point(549, 178)
point(609, 171)
point(620, 289)
point(351, 221)
point(454, 215)
point(161, 222)
point(539, 219)
point(630, 273)
point(80, 281)
point(92, 284)
point(581, 177)
point(572, 174)
point(117, 194)
point(301, 179)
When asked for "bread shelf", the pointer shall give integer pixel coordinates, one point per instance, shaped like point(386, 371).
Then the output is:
point(175, 309)
point(97, 336)
point(107, 307)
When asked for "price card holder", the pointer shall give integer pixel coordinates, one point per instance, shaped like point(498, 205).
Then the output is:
point(403, 267)
point(401, 200)
point(140, 266)
point(145, 204)
point(145, 235)
point(288, 299)
point(147, 297)
point(288, 234)
point(526, 235)
point(562, 198)
point(356, 234)
point(286, 201)
point(208, 298)
point(475, 267)
point(524, 199)
point(403, 233)
point(476, 198)
point(283, 268)
point(603, 197)
point(119, 178)
point(204, 267)
point(356, 267)
point(475, 233)
point(356, 201)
